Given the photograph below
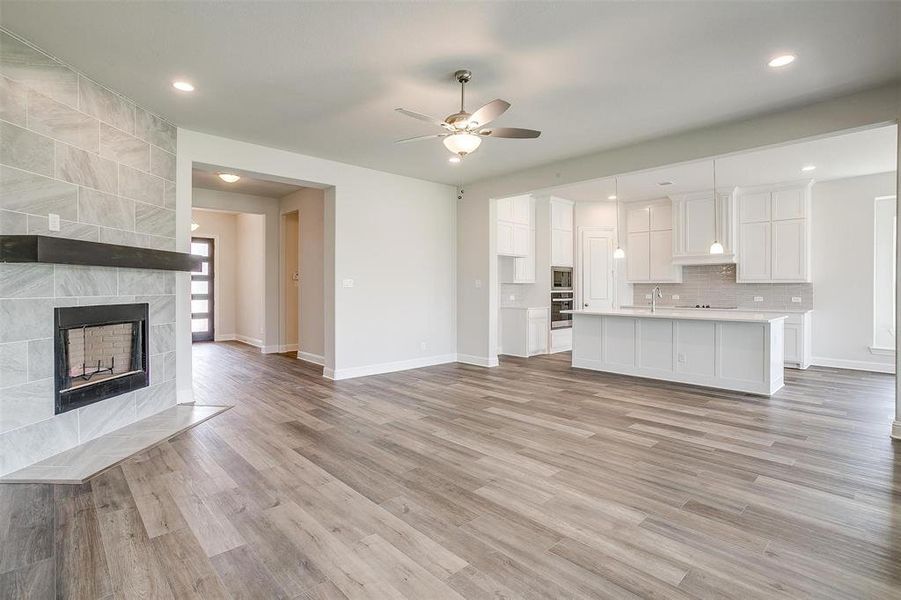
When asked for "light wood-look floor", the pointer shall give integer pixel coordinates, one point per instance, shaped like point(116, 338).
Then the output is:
point(531, 480)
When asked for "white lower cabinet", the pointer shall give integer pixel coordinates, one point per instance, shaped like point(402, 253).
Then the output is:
point(797, 340)
point(524, 331)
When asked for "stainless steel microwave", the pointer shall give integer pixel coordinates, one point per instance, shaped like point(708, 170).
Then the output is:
point(561, 278)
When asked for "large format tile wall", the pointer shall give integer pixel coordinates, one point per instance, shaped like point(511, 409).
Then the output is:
point(71, 147)
point(716, 285)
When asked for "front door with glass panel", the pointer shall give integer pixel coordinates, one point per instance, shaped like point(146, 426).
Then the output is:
point(202, 291)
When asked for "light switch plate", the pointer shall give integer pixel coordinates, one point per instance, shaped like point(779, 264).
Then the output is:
point(675, 296)
point(758, 298)
point(478, 283)
point(348, 283)
point(796, 299)
point(53, 222)
point(647, 296)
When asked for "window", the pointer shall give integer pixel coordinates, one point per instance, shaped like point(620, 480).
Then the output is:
point(884, 269)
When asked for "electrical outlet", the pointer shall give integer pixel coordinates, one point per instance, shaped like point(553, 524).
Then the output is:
point(478, 283)
point(758, 298)
point(348, 283)
point(647, 296)
point(422, 346)
point(796, 299)
point(681, 357)
point(512, 298)
point(53, 222)
point(675, 296)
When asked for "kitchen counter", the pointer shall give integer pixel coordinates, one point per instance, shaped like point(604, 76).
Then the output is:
point(692, 314)
point(725, 349)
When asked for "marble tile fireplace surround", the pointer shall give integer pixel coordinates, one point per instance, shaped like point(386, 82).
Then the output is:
point(74, 150)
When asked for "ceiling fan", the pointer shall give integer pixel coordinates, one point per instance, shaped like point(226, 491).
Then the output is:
point(464, 131)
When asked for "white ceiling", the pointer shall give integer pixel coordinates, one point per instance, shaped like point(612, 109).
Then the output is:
point(323, 78)
point(208, 178)
point(836, 157)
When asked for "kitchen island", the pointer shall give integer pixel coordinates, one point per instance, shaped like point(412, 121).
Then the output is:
point(726, 349)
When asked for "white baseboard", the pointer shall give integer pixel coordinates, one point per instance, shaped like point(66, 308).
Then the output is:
point(248, 340)
point(225, 337)
point(288, 348)
point(856, 365)
point(896, 429)
point(479, 361)
point(390, 367)
point(274, 349)
point(309, 357)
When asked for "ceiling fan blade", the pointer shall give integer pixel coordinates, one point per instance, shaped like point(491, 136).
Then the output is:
point(421, 117)
point(421, 137)
point(489, 112)
point(510, 132)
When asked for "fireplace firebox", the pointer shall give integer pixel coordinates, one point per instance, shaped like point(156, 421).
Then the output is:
point(100, 352)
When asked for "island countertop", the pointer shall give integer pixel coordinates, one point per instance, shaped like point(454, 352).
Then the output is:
point(735, 316)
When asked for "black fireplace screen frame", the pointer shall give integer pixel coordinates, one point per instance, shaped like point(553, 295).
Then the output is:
point(75, 317)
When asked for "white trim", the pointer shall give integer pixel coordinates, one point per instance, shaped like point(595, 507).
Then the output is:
point(881, 351)
point(896, 429)
point(316, 359)
point(225, 337)
point(479, 361)
point(389, 367)
point(256, 343)
point(274, 349)
point(854, 365)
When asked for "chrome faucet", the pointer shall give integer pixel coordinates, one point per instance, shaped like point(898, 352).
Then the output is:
point(655, 293)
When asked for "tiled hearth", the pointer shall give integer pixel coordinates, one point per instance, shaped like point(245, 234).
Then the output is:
point(716, 285)
point(73, 148)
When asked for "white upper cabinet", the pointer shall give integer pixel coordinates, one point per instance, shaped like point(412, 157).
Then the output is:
point(649, 243)
point(754, 262)
point(775, 234)
point(697, 224)
point(789, 204)
point(638, 256)
point(790, 250)
point(638, 218)
point(755, 207)
point(561, 232)
point(516, 239)
point(661, 217)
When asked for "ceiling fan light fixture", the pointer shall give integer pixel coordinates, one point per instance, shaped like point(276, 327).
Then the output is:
point(454, 160)
point(462, 143)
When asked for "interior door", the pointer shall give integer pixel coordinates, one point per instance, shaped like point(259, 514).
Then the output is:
point(202, 291)
point(597, 270)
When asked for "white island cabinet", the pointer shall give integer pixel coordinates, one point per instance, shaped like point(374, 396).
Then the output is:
point(730, 350)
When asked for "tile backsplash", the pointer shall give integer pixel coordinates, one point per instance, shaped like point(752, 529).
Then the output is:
point(106, 168)
point(715, 285)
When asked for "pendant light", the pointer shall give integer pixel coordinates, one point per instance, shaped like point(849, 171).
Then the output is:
point(619, 252)
point(716, 247)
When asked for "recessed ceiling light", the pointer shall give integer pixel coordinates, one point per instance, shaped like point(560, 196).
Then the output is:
point(807, 168)
point(781, 60)
point(229, 177)
point(454, 159)
point(183, 86)
point(611, 197)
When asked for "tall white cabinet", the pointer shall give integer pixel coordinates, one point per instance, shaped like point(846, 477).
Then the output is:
point(774, 234)
point(649, 243)
point(561, 232)
point(516, 239)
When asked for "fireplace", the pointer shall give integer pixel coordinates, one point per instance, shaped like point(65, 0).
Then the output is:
point(100, 352)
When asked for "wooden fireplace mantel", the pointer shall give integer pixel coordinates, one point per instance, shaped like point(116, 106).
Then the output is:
point(63, 251)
